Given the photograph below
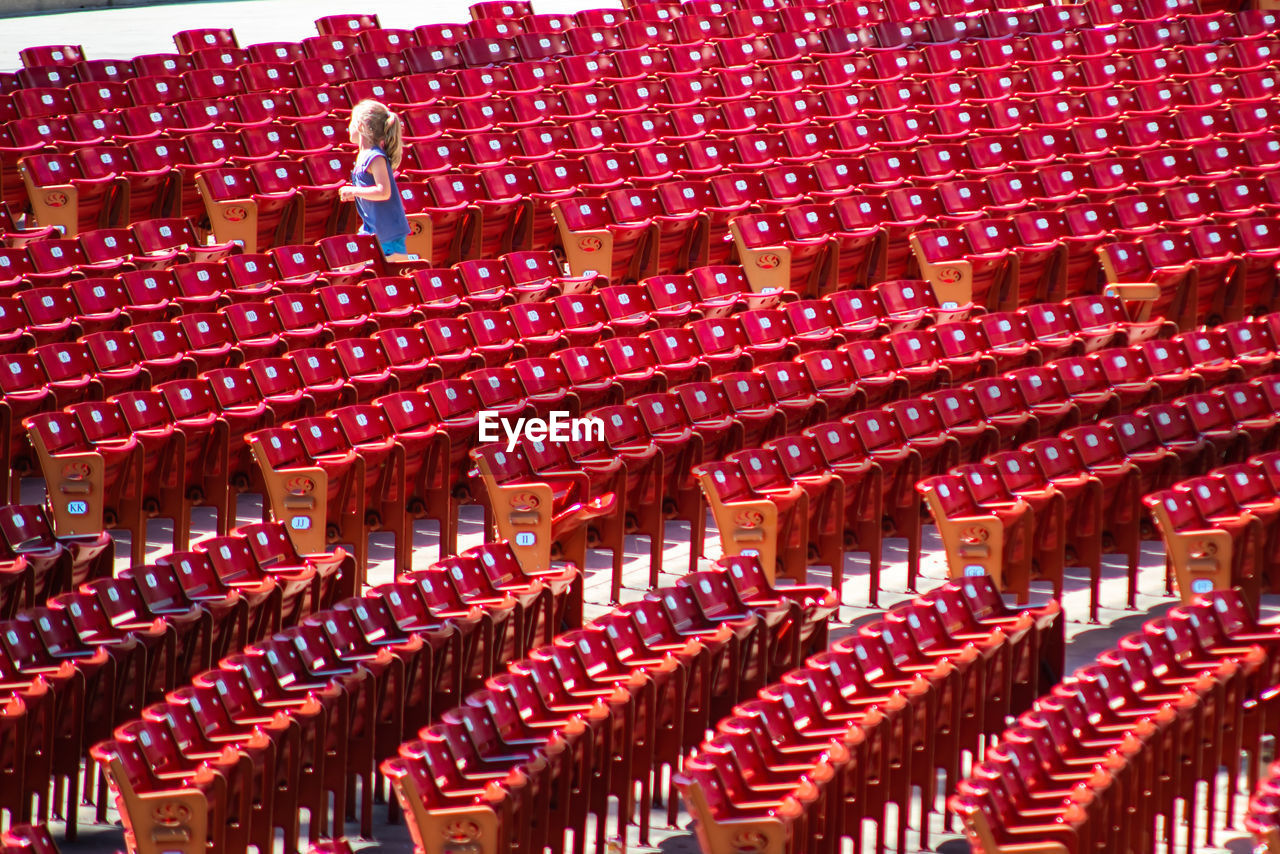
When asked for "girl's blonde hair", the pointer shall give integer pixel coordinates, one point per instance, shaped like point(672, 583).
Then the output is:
point(379, 127)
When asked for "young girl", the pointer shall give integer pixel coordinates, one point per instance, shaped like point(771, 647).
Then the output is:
point(377, 131)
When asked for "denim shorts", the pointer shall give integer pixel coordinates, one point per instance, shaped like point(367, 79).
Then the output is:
point(393, 247)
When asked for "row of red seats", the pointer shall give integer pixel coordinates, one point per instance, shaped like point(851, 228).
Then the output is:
point(169, 354)
point(155, 135)
point(188, 611)
point(1054, 18)
point(762, 34)
point(351, 678)
point(676, 76)
point(50, 101)
point(260, 317)
point(391, 53)
point(1006, 512)
point(374, 37)
point(385, 95)
point(577, 379)
point(1081, 225)
point(298, 291)
point(1203, 273)
point(861, 32)
point(487, 41)
point(926, 435)
point(657, 434)
point(1189, 679)
point(88, 659)
point(874, 161)
point(825, 89)
point(877, 225)
point(1041, 56)
point(1220, 528)
point(341, 279)
point(950, 142)
point(849, 121)
point(647, 693)
point(864, 724)
point(1006, 254)
point(501, 207)
point(1198, 281)
point(528, 277)
point(702, 39)
point(674, 10)
point(1196, 275)
point(162, 461)
point(36, 565)
point(153, 369)
point(112, 167)
point(562, 369)
point(786, 39)
point(37, 317)
point(246, 302)
point(292, 201)
point(145, 244)
point(886, 168)
point(699, 103)
point(104, 186)
point(194, 272)
point(1150, 145)
point(1263, 819)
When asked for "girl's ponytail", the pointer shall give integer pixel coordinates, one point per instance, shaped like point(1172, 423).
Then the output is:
point(379, 126)
point(391, 139)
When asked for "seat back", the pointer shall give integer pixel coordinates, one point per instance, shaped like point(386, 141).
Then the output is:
point(748, 524)
point(973, 538)
point(160, 819)
point(1201, 555)
point(297, 489)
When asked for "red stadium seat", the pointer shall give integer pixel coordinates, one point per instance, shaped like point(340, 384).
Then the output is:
point(240, 212)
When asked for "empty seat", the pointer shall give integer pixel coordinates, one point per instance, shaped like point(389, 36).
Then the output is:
point(775, 257)
point(1207, 555)
point(240, 211)
point(597, 243)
